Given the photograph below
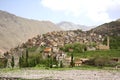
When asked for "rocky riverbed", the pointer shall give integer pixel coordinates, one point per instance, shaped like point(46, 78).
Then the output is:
point(61, 74)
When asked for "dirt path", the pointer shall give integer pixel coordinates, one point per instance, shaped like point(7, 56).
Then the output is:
point(63, 75)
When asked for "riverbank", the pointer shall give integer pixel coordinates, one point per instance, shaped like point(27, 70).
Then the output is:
point(61, 74)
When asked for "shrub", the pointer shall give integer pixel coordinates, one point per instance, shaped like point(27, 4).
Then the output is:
point(101, 61)
point(40, 65)
point(77, 47)
point(3, 63)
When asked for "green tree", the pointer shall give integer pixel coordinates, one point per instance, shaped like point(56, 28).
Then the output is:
point(72, 62)
point(12, 62)
point(51, 62)
point(77, 47)
point(61, 64)
point(3, 63)
point(20, 62)
point(27, 58)
point(32, 62)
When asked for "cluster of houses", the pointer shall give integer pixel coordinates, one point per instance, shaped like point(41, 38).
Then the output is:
point(59, 39)
point(52, 41)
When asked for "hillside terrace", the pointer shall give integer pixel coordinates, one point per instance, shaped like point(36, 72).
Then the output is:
point(52, 41)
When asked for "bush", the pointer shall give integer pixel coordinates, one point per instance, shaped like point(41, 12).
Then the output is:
point(101, 61)
point(3, 63)
point(40, 65)
point(77, 47)
point(32, 62)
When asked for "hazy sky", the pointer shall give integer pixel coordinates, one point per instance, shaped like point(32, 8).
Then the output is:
point(86, 12)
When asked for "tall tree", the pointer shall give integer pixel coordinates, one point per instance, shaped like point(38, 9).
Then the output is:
point(61, 64)
point(72, 62)
point(20, 62)
point(12, 62)
point(27, 57)
point(51, 62)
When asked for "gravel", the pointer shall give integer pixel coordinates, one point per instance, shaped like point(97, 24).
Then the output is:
point(63, 75)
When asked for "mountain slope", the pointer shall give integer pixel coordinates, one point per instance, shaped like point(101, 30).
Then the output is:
point(71, 26)
point(16, 30)
point(111, 29)
point(118, 19)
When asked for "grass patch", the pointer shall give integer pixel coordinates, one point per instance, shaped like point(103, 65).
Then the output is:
point(82, 67)
point(9, 69)
point(89, 54)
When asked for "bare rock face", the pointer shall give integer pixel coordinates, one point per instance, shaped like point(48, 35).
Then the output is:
point(16, 30)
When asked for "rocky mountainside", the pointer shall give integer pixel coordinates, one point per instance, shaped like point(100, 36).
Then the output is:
point(15, 30)
point(118, 19)
point(111, 29)
point(71, 26)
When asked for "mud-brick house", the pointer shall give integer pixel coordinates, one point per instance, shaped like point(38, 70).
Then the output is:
point(115, 59)
point(42, 44)
point(84, 60)
point(1, 54)
point(38, 43)
point(3, 62)
point(29, 43)
point(2, 59)
point(16, 53)
point(90, 48)
point(8, 56)
point(60, 56)
point(54, 44)
point(34, 41)
point(104, 47)
point(78, 63)
point(61, 44)
point(67, 61)
point(47, 52)
point(55, 49)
